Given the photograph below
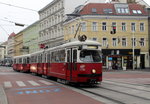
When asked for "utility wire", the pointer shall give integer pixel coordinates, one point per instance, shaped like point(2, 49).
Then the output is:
point(4, 30)
point(18, 24)
point(18, 7)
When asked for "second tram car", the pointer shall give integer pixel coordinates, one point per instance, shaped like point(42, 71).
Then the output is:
point(77, 62)
point(22, 63)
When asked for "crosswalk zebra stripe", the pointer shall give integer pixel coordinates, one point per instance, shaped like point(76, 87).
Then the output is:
point(7, 84)
point(20, 83)
point(34, 83)
point(45, 82)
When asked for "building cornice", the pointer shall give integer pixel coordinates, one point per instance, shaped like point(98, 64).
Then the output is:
point(107, 17)
point(49, 5)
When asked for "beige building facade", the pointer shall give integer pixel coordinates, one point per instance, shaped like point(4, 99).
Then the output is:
point(52, 17)
point(11, 45)
point(3, 50)
point(131, 33)
point(18, 44)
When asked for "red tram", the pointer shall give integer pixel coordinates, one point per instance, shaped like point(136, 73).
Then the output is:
point(77, 62)
point(22, 63)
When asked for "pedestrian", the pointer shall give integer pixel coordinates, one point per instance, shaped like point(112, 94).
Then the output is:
point(109, 65)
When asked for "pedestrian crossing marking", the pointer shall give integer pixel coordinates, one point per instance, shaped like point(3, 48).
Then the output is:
point(34, 83)
point(7, 84)
point(45, 82)
point(20, 83)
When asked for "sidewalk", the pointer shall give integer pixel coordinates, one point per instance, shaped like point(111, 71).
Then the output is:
point(3, 98)
point(114, 70)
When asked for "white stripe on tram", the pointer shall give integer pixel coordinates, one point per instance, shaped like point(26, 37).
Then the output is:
point(34, 83)
point(20, 83)
point(7, 84)
point(45, 82)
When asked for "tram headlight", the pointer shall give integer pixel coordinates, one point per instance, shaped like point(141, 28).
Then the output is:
point(93, 71)
point(33, 67)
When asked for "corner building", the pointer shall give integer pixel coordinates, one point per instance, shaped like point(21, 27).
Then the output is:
point(52, 17)
point(131, 25)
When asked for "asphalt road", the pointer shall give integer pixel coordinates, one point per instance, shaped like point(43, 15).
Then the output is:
point(118, 87)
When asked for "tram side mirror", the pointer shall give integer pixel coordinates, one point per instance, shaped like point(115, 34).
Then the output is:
point(82, 38)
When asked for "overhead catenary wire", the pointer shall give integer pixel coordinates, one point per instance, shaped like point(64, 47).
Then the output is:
point(16, 23)
point(4, 30)
point(18, 7)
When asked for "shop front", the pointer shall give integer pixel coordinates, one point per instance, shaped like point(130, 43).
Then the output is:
point(118, 59)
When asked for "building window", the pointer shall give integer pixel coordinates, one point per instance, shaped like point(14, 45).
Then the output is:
point(94, 38)
point(114, 41)
point(69, 30)
point(124, 42)
point(141, 27)
point(94, 26)
point(122, 10)
point(83, 27)
point(136, 11)
point(133, 28)
point(107, 11)
point(133, 41)
point(114, 24)
point(72, 30)
point(94, 10)
point(104, 28)
point(104, 41)
point(123, 26)
point(142, 42)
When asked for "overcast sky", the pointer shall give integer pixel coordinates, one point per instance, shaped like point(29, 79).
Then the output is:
point(10, 14)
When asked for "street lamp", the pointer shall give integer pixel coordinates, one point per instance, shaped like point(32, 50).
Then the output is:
point(19, 24)
point(2, 46)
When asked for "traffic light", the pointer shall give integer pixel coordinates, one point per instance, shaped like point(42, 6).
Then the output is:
point(113, 30)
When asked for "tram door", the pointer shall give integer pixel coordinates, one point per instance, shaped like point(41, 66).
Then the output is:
point(71, 64)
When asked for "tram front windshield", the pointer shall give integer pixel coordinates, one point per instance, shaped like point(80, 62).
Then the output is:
point(90, 56)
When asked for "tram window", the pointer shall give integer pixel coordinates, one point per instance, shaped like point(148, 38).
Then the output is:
point(68, 56)
point(28, 60)
point(57, 56)
point(36, 59)
point(62, 56)
point(20, 60)
point(45, 58)
point(90, 56)
point(48, 57)
point(41, 56)
point(53, 57)
point(15, 61)
point(32, 59)
point(74, 55)
point(24, 60)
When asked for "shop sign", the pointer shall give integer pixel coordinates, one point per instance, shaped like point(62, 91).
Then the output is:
point(110, 58)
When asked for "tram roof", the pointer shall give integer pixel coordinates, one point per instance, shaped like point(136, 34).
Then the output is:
point(37, 52)
point(76, 43)
point(26, 55)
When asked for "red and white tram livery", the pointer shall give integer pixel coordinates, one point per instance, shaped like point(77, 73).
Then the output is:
point(22, 63)
point(77, 62)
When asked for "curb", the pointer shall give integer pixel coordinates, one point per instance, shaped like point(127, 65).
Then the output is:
point(3, 98)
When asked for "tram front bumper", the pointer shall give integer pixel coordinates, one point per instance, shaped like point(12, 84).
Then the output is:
point(90, 78)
